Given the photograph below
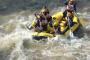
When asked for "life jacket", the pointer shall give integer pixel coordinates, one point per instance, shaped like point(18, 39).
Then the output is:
point(75, 19)
point(64, 24)
point(41, 22)
point(46, 19)
point(49, 19)
point(41, 18)
point(61, 16)
point(40, 28)
point(72, 21)
point(56, 18)
point(60, 27)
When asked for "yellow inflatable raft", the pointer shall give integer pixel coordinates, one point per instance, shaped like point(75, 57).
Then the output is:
point(57, 16)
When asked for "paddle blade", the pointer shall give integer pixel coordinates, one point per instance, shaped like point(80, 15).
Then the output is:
point(71, 34)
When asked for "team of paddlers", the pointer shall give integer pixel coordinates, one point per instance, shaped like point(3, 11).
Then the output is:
point(45, 23)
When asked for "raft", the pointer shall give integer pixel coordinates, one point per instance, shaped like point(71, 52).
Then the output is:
point(41, 35)
point(75, 29)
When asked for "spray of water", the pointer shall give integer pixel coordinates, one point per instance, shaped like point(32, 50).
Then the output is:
point(17, 43)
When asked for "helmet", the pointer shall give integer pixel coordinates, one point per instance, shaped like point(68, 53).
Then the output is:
point(45, 11)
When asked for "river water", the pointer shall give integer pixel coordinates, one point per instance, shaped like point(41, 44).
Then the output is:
point(16, 42)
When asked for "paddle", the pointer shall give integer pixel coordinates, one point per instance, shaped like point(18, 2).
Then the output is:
point(29, 26)
point(71, 33)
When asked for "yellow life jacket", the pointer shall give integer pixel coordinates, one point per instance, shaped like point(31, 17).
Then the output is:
point(63, 25)
point(75, 19)
point(57, 16)
point(33, 23)
point(50, 29)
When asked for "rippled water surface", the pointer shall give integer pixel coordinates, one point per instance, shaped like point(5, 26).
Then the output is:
point(16, 42)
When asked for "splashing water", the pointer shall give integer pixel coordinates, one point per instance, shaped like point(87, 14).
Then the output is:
point(16, 43)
